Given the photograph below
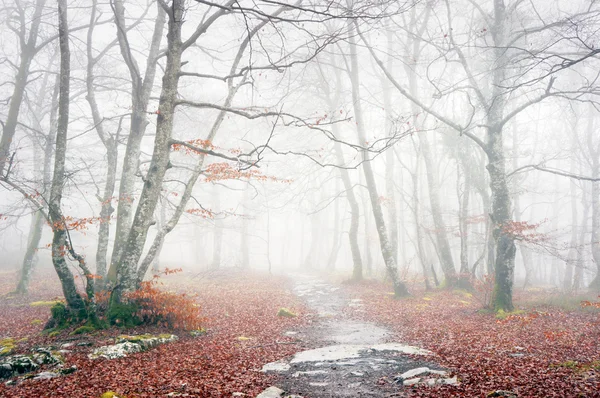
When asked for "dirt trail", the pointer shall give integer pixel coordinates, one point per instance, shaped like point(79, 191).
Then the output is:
point(351, 358)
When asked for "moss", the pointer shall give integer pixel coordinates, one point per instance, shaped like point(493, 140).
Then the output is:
point(285, 313)
point(45, 303)
point(112, 394)
point(7, 345)
point(84, 330)
point(53, 333)
point(501, 314)
point(36, 322)
point(123, 315)
point(464, 293)
point(60, 314)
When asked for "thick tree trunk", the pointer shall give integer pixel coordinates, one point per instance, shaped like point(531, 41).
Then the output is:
point(400, 288)
point(140, 93)
point(127, 273)
point(61, 241)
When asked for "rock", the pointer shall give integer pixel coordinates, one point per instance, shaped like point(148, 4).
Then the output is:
point(453, 381)
point(45, 376)
point(410, 382)
point(286, 313)
point(115, 351)
point(320, 384)
point(310, 373)
point(147, 341)
point(357, 374)
point(271, 392)
point(15, 365)
point(198, 332)
point(10, 383)
point(68, 371)
point(238, 394)
point(277, 366)
point(44, 356)
point(67, 345)
point(503, 393)
point(84, 344)
point(418, 372)
point(131, 344)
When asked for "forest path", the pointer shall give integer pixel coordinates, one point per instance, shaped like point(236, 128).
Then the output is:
point(351, 357)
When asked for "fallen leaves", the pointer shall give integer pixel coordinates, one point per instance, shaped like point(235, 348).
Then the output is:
point(522, 353)
point(213, 365)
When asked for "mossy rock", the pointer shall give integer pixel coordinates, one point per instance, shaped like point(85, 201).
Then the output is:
point(7, 346)
point(36, 322)
point(53, 333)
point(198, 332)
point(284, 312)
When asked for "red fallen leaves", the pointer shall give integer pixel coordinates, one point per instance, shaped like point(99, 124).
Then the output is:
point(215, 365)
point(546, 353)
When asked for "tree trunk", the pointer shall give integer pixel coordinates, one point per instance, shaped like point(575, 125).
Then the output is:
point(140, 94)
point(61, 242)
point(127, 273)
point(27, 53)
point(400, 288)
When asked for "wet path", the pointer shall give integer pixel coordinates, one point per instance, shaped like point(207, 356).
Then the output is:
point(352, 358)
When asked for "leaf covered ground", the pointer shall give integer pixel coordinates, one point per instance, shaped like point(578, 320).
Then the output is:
point(541, 351)
point(244, 332)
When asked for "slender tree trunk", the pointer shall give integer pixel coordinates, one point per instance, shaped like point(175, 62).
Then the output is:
point(335, 246)
point(217, 233)
point(400, 288)
point(357, 266)
point(38, 223)
point(27, 53)
point(464, 276)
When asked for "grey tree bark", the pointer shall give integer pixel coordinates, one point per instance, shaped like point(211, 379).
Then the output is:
point(400, 289)
point(61, 241)
point(28, 51)
point(141, 88)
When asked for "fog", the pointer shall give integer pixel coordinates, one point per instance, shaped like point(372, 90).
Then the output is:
point(452, 133)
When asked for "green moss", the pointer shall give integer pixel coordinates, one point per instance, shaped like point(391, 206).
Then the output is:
point(84, 330)
point(112, 394)
point(285, 313)
point(45, 303)
point(7, 345)
point(60, 314)
point(501, 314)
point(53, 333)
point(123, 315)
point(36, 322)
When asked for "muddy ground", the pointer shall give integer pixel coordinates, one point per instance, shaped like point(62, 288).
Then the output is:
point(350, 357)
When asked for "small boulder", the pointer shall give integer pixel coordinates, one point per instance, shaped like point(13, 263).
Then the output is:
point(284, 312)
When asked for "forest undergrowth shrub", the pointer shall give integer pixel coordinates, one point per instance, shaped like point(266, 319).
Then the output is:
point(152, 305)
point(483, 290)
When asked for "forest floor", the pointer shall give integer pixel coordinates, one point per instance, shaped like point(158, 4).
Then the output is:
point(545, 350)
